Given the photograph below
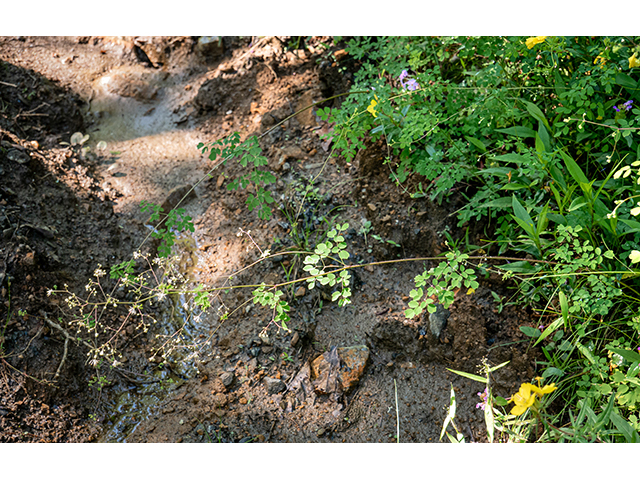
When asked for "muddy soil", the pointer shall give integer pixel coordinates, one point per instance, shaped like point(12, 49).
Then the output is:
point(146, 103)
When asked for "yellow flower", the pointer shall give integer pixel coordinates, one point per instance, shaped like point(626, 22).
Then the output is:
point(372, 108)
point(527, 394)
point(633, 61)
point(600, 60)
point(531, 41)
point(544, 390)
point(523, 399)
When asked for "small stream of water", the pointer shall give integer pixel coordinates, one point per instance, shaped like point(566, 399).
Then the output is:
point(136, 112)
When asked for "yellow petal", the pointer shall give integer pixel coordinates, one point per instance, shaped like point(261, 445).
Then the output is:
point(536, 390)
point(634, 256)
point(532, 41)
point(633, 61)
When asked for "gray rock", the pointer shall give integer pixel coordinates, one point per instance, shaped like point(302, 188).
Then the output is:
point(274, 385)
point(18, 156)
point(227, 378)
point(438, 320)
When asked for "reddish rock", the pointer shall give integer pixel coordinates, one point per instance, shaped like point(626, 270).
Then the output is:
point(353, 361)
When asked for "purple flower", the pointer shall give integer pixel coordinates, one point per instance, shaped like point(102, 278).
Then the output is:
point(626, 105)
point(484, 396)
point(410, 84)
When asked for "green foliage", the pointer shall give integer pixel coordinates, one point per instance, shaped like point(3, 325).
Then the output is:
point(329, 274)
point(173, 223)
point(538, 135)
point(272, 299)
point(249, 155)
point(445, 279)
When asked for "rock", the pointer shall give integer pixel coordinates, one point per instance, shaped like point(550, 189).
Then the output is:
point(372, 207)
point(227, 379)
point(130, 82)
point(209, 97)
point(300, 292)
point(18, 156)
point(340, 368)
point(154, 48)
point(274, 385)
point(438, 320)
point(293, 152)
point(354, 361)
point(220, 180)
point(210, 47)
point(295, 339)
point(307, 117)
point(254, 351)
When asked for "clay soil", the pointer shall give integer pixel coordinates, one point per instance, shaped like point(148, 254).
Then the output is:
point(63, 211)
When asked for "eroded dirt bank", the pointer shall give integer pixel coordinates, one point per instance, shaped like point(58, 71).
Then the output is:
point(146, 103)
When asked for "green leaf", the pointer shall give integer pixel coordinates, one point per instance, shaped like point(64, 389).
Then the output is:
point(544, 138)
point(451, 414)
point(469, 375)
point(523, 132)
point(502, 203)
point(536, 113)
point(574, 169)
point(518, 267)
point(549, 330)
point(628, 355)
point(477, 143)
point(522, 216)
point(564, 307)
point(501, 401)
point(585, 351)
point(514, 186)
point(629, 433)
point(626, 81)
point(512, 157)
point(489, 421)
point(551, 371)
point(505, 171)
point(577, 203)
point(542, 220)
point(559, 84)
point(530, 331)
